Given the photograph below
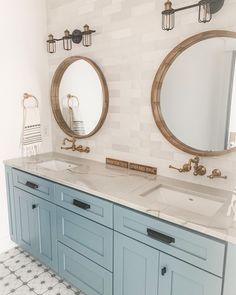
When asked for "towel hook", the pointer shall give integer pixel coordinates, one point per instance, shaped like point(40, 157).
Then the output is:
point(27, 96)
point(70, 97)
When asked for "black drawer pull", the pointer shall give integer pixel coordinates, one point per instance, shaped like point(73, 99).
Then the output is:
point(81, 204)
point(34, 206)
point(160, 237)
point(31, 185)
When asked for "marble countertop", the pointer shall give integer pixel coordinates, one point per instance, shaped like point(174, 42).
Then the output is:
point(128, 188)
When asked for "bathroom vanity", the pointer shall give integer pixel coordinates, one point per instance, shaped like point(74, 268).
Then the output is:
point(108, 230)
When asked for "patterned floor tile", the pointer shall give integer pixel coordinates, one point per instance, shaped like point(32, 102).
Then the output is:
point(31, 270)
point(10, 254)
point(8, 284)
point(42, 282)
point(61, 289)
point(4, 271)
point(18, 261)
point(23, 290)
point(21, 274)
point(76, 291)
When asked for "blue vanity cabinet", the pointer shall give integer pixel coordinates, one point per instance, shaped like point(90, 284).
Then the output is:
point(135, 267)
point(179, 278)
point(230, 271)
point(34, 185)
point(107, 249)
point(191, 247)
point(83, 273)
point(85, 236)
point(36, 226)
point(44, 217)
point(142, 270)
point(24, 220)
point(84, 204)
point(155, 257)
point(11, 204)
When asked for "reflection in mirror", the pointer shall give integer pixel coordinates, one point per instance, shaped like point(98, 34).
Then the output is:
point(197, 97)
point(79, 97)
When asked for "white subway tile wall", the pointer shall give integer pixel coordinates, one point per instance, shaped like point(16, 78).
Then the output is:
point(129, 46)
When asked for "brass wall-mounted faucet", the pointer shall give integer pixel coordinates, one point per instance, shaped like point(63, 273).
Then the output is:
point(197, 169)
point(73, 147)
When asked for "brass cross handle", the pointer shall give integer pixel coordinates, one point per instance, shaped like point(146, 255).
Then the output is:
point(216, 173)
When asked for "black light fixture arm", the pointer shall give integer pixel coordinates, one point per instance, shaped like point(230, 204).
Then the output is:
point(187, 7)
point(216, 5)
point(206, 9)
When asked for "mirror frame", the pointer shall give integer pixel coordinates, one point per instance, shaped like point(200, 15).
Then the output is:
point(157, 85)
point(56, 81)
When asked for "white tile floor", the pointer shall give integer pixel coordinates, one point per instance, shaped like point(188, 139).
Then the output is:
point(21, 274)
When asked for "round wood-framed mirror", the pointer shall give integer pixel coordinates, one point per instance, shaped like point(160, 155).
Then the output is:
point(79, 97)
point(194, 94)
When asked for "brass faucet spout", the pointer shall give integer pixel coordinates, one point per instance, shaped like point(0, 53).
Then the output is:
point(73, 147)
point(198, 169)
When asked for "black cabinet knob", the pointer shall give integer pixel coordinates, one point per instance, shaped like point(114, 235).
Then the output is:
point(34, 206)
point(163, 271)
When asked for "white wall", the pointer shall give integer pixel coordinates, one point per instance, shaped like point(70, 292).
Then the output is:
point(24, 68)
point(129, 46)
point(232, 127)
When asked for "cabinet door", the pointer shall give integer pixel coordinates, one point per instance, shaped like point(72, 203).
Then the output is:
point(24, 220)
point(179, 278)
point(44, 216)
point(135, 267)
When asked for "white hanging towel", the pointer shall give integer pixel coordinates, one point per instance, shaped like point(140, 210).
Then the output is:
point(31, 135)
point(77, 124)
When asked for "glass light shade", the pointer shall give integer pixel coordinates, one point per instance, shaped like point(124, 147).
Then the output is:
point(205, 15)
point(87, 36)
point(168, 20)
point(67, 42)
point(51, 44)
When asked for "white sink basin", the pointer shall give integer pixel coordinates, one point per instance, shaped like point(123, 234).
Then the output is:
point(190, 201)
point(56, 165)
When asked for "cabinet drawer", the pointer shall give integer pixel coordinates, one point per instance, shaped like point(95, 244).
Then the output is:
point(194, 248)
point(86, 237)
point(83, 273)
point(35, 185)
point(84, 204)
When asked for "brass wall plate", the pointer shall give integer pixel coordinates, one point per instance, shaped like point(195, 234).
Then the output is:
point(143, 168)
point(118, 163)
point(132, 166)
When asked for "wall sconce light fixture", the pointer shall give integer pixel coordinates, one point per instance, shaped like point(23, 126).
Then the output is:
point(76, 37)
point(206, 9)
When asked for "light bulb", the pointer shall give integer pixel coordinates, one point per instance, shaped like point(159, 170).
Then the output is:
point(168, 17)
point(51, 44)
point(205, 15)
point(87, 36)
